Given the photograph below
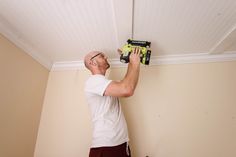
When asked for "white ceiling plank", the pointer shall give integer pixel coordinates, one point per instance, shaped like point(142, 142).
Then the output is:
point(226, 42)
point(123, 10)
point(7, 31)
point(181, 25)
point(64, 31)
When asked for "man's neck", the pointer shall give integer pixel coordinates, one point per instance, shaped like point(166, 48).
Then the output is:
point(99, 72)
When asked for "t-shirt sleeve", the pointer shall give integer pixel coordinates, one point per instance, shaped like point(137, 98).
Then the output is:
point(97, 85)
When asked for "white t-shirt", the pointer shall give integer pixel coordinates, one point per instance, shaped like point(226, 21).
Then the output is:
point(109, 125)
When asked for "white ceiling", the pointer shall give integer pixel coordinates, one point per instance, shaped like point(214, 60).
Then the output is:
point(65, 30)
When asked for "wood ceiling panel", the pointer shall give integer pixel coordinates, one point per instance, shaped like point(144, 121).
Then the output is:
point(65, 30)
point(183, 26)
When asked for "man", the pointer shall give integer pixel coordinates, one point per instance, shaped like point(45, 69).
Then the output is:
point(110, 133)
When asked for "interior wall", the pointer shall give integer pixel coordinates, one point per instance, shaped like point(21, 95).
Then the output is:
point(183, 110)
point(22, 87)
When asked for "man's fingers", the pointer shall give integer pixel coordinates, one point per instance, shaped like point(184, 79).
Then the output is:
point(119, 51)
point(137, 50)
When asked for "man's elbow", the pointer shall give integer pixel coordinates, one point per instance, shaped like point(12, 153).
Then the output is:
point(129, 91)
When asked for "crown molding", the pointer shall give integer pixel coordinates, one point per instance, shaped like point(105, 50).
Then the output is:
point(194, 58)
point(68, 65)
point(16, 40)
point(156, 60)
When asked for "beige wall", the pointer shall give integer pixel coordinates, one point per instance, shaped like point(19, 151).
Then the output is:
point(22, 88)
point(184, 110)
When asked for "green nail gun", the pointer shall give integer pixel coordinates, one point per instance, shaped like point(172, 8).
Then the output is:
point(132, 44)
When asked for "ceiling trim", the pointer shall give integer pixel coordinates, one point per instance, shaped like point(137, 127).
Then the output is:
point(16, 40)
point(156, 60)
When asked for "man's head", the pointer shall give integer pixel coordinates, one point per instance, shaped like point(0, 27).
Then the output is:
point(96, 62)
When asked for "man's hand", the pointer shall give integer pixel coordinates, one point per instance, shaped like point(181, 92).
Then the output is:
point(126, 87)
point(134, 57)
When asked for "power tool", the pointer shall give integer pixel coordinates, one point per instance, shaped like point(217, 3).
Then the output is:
point(131, 45)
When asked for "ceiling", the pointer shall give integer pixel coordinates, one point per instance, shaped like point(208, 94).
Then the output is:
point(63, 31)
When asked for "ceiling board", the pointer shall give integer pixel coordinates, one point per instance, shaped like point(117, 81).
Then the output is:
point(183, 26)
point(65, 30)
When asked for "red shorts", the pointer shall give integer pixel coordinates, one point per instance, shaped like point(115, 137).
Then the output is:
point(115, 151)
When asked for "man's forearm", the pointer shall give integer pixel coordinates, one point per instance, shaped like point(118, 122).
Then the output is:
point(131, 78)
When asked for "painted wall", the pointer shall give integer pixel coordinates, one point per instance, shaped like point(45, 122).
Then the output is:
point(22, 87)
point(184, 110)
